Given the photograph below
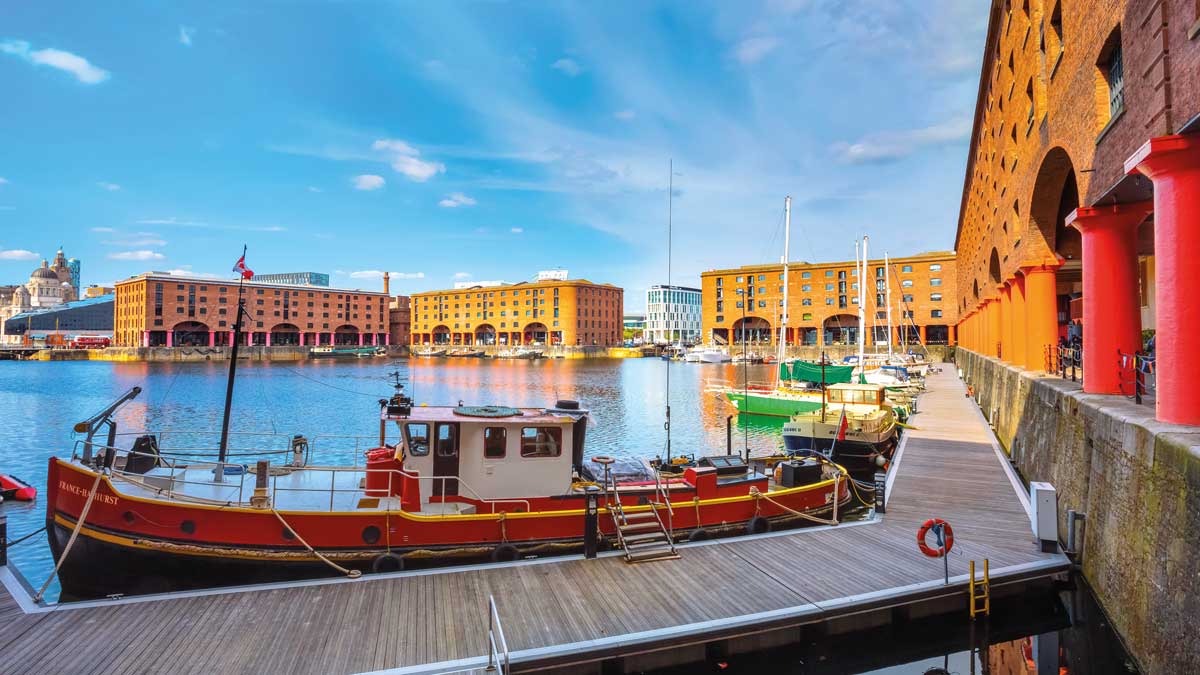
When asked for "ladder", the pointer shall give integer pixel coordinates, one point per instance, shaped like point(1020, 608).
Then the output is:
point(981, 600)
point(642, 535)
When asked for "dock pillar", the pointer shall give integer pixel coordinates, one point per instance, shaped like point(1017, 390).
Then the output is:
point(3, 534)
point(1017, 356)
point(1173, 164)
point(1041, 312)
point(1111, 312)
point(1005, 351)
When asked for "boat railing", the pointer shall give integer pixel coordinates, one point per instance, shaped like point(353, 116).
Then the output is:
point(498, 654)
point(661, 493)
point(176, 476)
point(188, 443)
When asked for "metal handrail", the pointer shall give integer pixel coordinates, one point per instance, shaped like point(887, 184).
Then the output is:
point(661, 493)
point(1143, 369)
point(498, 654)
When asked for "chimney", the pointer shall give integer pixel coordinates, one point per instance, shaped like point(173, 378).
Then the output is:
point(386, 280)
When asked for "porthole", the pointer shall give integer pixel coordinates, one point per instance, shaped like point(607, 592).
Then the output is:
point(371, 534)
point(188, 527)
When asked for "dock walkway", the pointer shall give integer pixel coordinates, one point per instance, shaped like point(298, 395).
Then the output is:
point(565, 610)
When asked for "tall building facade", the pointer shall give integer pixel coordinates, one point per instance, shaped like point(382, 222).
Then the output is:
point(165, 310)
point(747, 302)
point(399, 320)
point(1081, 191)
point(672, 315)
point(546, 312)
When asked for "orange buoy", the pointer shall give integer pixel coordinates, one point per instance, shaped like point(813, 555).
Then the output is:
point(947, 534)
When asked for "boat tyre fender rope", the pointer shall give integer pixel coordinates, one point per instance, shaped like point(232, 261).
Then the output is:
point(387, 562)
point(505, 553)
point(946, 540)
point(758, 525)
point(87, 506)
point(353, 574)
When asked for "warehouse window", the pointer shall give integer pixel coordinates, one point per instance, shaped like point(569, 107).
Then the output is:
point(1111, 74)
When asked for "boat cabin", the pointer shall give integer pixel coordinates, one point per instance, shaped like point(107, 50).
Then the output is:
point(857, 394)
point(492, 452)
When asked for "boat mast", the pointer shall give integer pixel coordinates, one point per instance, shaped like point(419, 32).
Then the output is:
point(670, 211)
point(783, 321)
point(223, 449)
point(887, 276)
point(861, 318)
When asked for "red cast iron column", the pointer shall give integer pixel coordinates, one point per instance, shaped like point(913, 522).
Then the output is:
point(1111, 312)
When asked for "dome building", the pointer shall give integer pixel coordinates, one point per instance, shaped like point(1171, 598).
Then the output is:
point(48, 286)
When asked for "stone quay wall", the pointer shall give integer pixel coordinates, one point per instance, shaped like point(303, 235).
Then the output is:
point(1138, 482)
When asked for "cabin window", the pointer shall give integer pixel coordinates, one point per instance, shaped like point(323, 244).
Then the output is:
point(541, 441)
point(418, 438)
point(447, 442)
point(493, 442)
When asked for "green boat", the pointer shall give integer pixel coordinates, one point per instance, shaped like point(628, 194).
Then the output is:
point(776, 403)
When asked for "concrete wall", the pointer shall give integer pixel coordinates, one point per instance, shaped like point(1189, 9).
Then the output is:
point(1137, 480)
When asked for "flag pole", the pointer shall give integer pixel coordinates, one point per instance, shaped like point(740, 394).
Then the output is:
point(223, 450)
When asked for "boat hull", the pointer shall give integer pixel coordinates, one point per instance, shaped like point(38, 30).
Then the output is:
point(752, 403)
point(856, 455)
point(131, 544)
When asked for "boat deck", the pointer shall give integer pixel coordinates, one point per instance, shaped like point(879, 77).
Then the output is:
point(570, 609)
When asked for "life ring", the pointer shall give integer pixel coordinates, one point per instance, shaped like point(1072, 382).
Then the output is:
point(947, 533)
point(758, 525)
point(603, 459)
point(699, 534)
point(505, 553)
point(387, 562)
point(970, 391)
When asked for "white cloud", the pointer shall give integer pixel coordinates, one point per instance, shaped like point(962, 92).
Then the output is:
point(170, 221)
point(462, 276)
point(136, 255)
point(3, 180)
point(378, 274)
point(368, 182)
point(568, 67)
point(103, 229)
point(76, 65)
point(185, 35)
point(313, 188)
point(517, 230)
point(17, 254)
point(886, 146)
point(176, 222)
point(455, 200)
point(752, 50)
point(186, 271)
point(625, 115)
point(405, 159)
point(111, 187)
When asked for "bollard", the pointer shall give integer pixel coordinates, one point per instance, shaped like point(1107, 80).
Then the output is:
point(880, 492)
point(729, 435)
point(591, 538)
point(261, 499)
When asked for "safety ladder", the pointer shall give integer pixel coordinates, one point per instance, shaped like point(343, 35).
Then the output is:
point(981, 598)
point(642, 534)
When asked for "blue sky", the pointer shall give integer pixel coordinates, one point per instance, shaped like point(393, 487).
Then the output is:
point(479, 140)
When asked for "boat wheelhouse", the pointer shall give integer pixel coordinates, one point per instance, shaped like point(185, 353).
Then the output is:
point(856, 427)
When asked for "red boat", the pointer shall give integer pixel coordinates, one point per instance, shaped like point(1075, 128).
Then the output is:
point(14, 488)
point(457, 484)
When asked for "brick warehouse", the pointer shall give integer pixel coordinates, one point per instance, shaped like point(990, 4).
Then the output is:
point(166, 310)
point(548, 312)
point(1082, 191)
point(822, 299)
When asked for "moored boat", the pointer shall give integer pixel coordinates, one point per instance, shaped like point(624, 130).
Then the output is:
point(451, 483)
point(856, 428)
point(327, 352)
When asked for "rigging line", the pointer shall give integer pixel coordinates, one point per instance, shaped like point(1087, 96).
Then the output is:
point(326, 384)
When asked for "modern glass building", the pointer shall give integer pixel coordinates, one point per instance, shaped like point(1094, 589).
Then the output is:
point(672, 315)
point(93, 316)
point(73, 265)
point(296, 278)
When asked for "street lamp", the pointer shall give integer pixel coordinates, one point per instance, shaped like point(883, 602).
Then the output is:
point(745, 376)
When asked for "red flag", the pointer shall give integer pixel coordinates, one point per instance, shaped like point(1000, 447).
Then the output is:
point(843, 424)
point(241, 268)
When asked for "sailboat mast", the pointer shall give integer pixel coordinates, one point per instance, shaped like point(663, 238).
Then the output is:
point(223, 449)
point(787, 240)
point(670, 333)
point(861, 318)
point(887, 277)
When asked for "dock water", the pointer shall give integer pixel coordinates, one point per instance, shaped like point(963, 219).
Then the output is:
point(557, 612)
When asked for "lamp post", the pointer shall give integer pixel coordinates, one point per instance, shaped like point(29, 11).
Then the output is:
point(745, 376)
